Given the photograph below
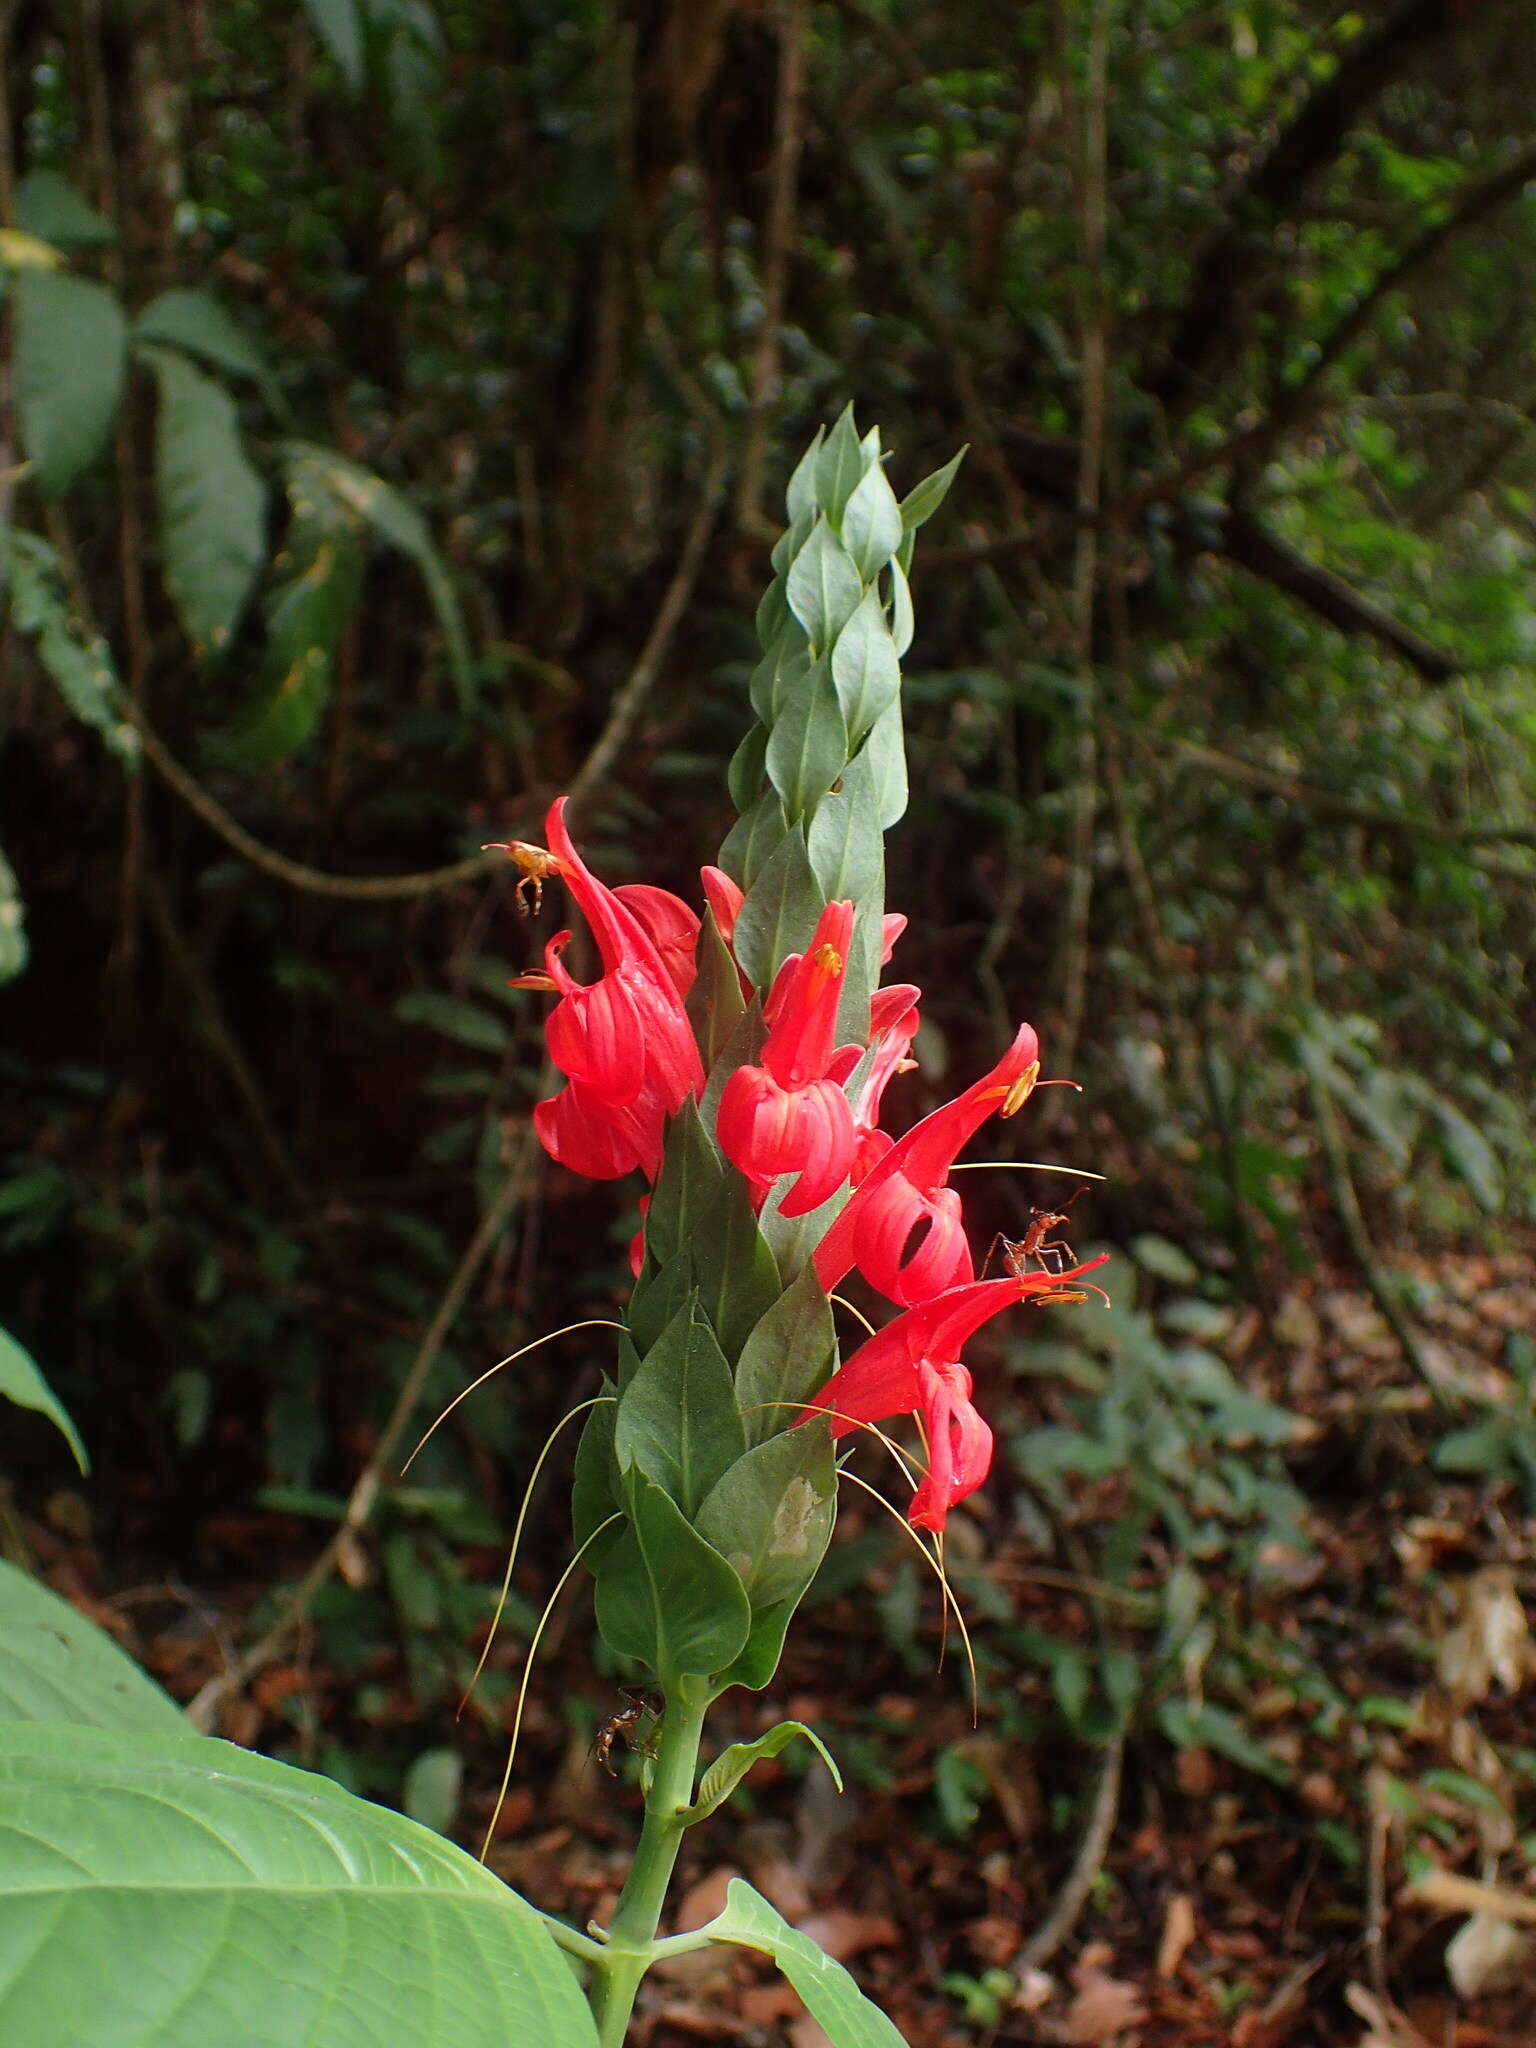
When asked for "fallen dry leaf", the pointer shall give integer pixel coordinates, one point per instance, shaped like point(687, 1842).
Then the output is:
point(1102, 2010)
point(1488, 1955)
point(1178, 1933)
point(1455, 1894)
point(1387, 2025)
point(843, 1934)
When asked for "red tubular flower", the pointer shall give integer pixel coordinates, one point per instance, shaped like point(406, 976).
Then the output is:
point(892, 1027)
point(913, 1366)
point(788, 1115)
point(672, 927)
point(724, 898)
point(902, 1225)
point(602, 1140)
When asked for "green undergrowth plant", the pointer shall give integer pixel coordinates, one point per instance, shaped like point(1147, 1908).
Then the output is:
point(739, 1062)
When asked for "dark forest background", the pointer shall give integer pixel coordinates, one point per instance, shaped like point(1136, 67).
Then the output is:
point(397, 404)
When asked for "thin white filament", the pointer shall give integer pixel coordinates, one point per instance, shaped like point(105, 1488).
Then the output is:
point(522, 1690)
point(592, 1323)
point(935, 1565)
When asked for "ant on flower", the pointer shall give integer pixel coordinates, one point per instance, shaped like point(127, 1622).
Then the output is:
point(536, 865)
point(1050, 1253)
point(636, 1721)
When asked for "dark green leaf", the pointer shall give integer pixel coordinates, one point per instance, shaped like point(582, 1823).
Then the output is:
point(69, 353)
point(754, 839)
point(871, 522)
point(13, 925)
point(808, 746)
point(687, 1188)
point(78, 661)
point(840, 463)
point(677, 1419)
point(745, 774)
point(887, 766)
point(924, 499)
point(664, 1596)
point(791, 1352)
point(770, 1516)
point(49, 207)
point(800, 493)
point(715, 1002)
point(21, 1382)
point(341, 30)
point(196, 322)
point(864, 667)
point(595, 1488)
point(778, 916)
point(213, 519)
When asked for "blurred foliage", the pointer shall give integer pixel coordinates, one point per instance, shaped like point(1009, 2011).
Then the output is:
point(369, 360)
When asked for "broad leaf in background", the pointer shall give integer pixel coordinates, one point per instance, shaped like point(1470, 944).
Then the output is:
point(78, 661)
point(49, 207)
point(21, 1381)
point(396, 521)
point(57, 1666)
point(341, 30)
point(318, 575)
point(70, 348)
point(831, 1997)
point(276, 1908)
point(213, 513)
point(13, 924)
point(198, 323)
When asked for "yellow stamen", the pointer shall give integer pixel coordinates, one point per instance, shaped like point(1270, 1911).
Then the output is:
point(544, 983)
point(1021, 1090)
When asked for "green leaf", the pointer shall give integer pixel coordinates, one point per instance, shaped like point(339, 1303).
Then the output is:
point(341, 30)
point(21, 1381)
point(903, 621)
point(677, 1419)
point(687, 1188)
point(886, 762)
point(800, 493)
point(57, 1666)
point(665, 1596)
point(871, 522)
point(456, 1019)
point(754, 839)
point(924, 499)
point(430, 1792)
point(744, 777)
point(736, 1274)
point(213, 509)
point(174, 1891)
point(791, 1352)
point(392, 516)
point(808, 746)
point(70, 350)
point(839, 465)
point(864, 667)
point(715, 1003)
point(1212, 1727)
point(77, 661)
point(196, 322)
point(823, 587)
point(770, 1516)
point(13, 924)
point(833, 2000)
point(778, 916)
point(733, 1764)
point(49, 207)
point(596, 1492)
point(1480, 1447)
point(318, 575)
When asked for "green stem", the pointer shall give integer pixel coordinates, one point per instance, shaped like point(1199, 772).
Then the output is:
point(630, 1947)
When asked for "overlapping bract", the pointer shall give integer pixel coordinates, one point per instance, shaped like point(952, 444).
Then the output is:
point(800, 1122)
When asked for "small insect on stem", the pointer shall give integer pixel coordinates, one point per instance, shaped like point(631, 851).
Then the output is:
point(636, 1721)
point(1039, 1246)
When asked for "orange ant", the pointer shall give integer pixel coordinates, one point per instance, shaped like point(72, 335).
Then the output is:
point(1051, 1254)
point(641, 1705)
point(535, 864)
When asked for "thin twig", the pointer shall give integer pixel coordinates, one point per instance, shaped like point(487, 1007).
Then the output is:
point(365, 1489)
point(1078, 1885)
point(1094, 378)
point(788, 128)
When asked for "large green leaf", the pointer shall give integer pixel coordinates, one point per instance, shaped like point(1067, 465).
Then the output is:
point(341, 30)
point(823, 587)
point(808, 746)
point(57, 1666)
point(175, 1892)
point(70, 342)
point(24, 1384)
point(395, 520)
point(871, 524)
point(780, 911)
point(213, 512)
point(733, 1764)
point(831, 1997)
